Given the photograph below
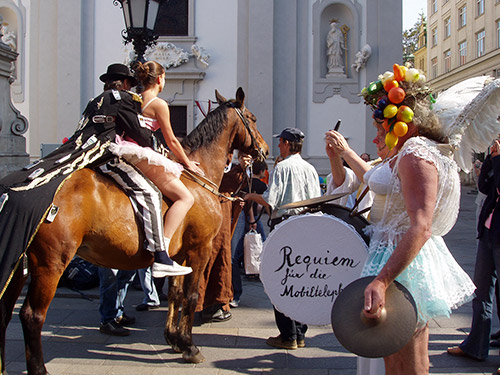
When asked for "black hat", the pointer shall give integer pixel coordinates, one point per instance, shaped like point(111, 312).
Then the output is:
point(118, 71)
point(290, 134)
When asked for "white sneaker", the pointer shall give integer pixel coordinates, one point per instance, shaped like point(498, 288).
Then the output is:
point(162, 270)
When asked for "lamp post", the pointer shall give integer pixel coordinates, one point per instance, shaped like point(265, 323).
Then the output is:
point(140, 20)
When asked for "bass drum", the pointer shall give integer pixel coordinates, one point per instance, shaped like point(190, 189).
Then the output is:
point(308, 259)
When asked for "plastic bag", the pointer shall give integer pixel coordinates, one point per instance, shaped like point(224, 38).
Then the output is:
point(252, 248)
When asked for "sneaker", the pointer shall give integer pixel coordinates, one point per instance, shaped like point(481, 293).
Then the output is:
point(125, 320)
point(278, 342)
point(301, 343)
point(162, 270)
point(146, 307)
point(234, 303)
point(114, 329)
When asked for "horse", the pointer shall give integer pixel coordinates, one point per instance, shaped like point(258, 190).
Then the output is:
point(96, 221)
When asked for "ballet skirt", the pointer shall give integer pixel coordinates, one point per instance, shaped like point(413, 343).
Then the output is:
point(434, 278)
point(128, 149)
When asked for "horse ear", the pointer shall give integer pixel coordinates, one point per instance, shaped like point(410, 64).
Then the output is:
point(220, 98)
point(240, 96)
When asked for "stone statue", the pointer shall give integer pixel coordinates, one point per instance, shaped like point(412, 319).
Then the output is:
point(361, 57)
point(335, 47)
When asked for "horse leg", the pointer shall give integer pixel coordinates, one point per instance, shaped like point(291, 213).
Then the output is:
point(7, 304)
point(174, 303)
point(190, 351)
point(41, 291)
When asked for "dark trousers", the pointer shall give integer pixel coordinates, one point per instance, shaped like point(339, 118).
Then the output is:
point(289, 329)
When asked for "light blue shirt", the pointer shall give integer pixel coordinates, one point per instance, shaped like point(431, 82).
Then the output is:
point(293, 180)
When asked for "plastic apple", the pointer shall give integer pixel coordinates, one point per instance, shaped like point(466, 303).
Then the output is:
point(405, 114)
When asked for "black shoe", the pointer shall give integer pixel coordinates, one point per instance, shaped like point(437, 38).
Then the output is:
point(146, 307)
point(125, 320)
point(495, 343)
point(218, 316)
point(114, 329)
point(495, 336)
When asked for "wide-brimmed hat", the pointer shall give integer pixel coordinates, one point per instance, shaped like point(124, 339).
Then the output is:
point(290, 134)
point(118, 71)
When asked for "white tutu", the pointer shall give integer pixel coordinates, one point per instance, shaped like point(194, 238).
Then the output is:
point(133, 153)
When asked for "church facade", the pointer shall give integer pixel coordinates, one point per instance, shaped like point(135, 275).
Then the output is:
point(277, 51)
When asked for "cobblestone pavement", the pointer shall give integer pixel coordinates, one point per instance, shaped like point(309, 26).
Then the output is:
point(73, 345)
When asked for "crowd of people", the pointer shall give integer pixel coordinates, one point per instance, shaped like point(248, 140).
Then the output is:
point(411, 190)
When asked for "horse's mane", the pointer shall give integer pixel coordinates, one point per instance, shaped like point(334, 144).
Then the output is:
point(209, 129)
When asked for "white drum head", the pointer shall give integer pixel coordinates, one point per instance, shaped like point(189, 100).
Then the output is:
point(306, 262)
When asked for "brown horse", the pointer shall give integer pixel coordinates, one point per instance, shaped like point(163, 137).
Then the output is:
point(96, 221)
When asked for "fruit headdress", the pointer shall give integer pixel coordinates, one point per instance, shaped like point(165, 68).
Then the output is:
point(393, 97)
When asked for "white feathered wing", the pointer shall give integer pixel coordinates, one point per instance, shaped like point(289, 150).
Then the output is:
point(469, 112)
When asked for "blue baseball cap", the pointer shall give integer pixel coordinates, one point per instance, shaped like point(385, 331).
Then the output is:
point(291, 134)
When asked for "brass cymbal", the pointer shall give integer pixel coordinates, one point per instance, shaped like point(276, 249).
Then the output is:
point(312, 201)
point(374, 338)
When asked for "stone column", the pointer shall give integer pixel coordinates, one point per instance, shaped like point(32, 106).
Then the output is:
point(13, 125)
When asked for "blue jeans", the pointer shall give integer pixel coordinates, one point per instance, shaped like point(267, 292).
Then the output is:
point(477, 343)
point(113, 286)
point(242, 227)
point(146, 279)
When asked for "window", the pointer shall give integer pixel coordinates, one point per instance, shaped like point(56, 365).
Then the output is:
point(434, 37)
point(447, 27)
point(172, 19)
point(462, 16)
point(422, 41)
point(480, 7)
point(480, 43)
point(434, 6)
point(462, 52)
point(434, 67)
point(447, 61)
point(421, 65)
point(498, 34)
point(178, 119)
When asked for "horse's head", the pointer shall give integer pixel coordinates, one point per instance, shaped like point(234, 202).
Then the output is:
point(246, 136)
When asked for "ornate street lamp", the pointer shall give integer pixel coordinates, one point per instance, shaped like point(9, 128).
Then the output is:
point(140, 20)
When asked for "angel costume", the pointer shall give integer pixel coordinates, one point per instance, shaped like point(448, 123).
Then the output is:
point(128, 149)
point(435, 280)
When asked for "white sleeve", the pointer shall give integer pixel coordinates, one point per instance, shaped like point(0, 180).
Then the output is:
point(351, 183)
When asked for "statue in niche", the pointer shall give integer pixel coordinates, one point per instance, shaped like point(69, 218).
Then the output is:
point(9, 38)
point(335, 49)
point(361, 57)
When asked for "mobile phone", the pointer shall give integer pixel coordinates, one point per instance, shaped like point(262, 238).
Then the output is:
point(337, 125)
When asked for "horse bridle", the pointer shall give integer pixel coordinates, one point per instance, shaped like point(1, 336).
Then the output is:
point(252, 137)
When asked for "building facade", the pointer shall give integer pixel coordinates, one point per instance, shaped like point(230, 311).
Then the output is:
point(463, 40)
point(276, 50)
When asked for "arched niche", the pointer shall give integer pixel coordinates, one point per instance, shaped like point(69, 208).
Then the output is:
point(348, 16)
point(14, 17)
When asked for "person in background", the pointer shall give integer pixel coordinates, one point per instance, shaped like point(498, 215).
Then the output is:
point(487, 267)
point(365, 157)
point(292, 180)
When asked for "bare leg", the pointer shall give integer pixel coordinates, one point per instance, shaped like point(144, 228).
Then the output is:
point(173, 189)
point(413, 359)
point(182, 199)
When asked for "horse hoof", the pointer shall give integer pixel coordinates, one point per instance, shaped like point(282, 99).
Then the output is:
point(193, 358)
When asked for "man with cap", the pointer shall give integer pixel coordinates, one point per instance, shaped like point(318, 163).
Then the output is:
point(292, 180)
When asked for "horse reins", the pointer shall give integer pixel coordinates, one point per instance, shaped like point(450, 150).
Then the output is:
point(207, 184)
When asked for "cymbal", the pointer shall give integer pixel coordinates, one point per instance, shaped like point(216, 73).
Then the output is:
point(369, 337)
point(312, 201)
